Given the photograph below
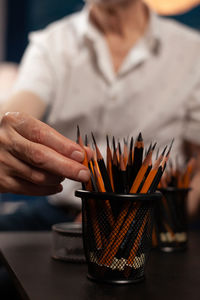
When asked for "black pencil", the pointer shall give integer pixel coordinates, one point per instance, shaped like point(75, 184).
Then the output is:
point(102, 168)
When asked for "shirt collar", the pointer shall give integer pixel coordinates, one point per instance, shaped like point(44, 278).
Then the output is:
point(148, 44)
point(152, 35)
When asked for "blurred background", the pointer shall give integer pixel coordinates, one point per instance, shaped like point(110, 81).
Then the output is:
point(17, 18)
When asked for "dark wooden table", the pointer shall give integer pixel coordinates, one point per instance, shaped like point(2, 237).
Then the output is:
point(28, 259)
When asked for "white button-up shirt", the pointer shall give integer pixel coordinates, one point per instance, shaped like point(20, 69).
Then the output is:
point(156, 91)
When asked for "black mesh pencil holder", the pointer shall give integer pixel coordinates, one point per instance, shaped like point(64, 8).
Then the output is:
point(170, 229)
point(117, 232)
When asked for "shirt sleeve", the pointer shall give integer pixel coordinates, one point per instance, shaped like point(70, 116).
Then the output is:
point(36, 72)
point(191, 128)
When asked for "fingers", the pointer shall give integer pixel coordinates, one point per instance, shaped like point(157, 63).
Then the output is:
point(39, 132)
point(38, 145)
point(15, 168)
point(17, 177)
point(44, 158)
point(47, 159)
point(20, 186)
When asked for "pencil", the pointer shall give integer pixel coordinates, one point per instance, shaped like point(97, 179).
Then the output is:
point(109, 164)
point(88, 185)
point(141, 174)
point(115, 168)
point(129, 164)
point(122, 173)
point(138, 156)
point(102, 167)
point(125, 154)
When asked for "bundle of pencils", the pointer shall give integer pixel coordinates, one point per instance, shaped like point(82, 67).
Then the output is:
point(170, 229)
point(120, 228)
point(176, 176)
point(126, 171)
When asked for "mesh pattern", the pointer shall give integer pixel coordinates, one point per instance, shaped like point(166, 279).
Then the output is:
point(68, 243)
point(117, 238)
point(170, 229)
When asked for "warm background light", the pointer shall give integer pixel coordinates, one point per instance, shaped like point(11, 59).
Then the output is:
point(172, 7)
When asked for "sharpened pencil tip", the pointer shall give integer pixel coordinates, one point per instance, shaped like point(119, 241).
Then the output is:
point(114, 146)
point(119, 147)
point(86, 140)
point(140, 139)
point(164, 150)
point(93, 138)
point(149, 149)
point(154, 146)
point(78, 135)
point(107, 140)
point(131, 144)
point(78, 131)
point(125, 141)
point(170, 147)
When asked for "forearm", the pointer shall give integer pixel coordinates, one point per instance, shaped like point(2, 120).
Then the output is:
point(26, 102)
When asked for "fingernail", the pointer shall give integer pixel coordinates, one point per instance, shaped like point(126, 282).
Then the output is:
point(78, 156)
point(84, 175)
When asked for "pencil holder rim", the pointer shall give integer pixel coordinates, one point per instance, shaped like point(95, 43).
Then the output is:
point(69, 229)
point(112, 196)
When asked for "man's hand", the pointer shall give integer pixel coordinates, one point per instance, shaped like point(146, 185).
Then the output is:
point(34, 158)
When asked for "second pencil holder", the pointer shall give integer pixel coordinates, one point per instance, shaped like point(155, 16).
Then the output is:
point(170, 229)
point(117, 232)
point(67, 243)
